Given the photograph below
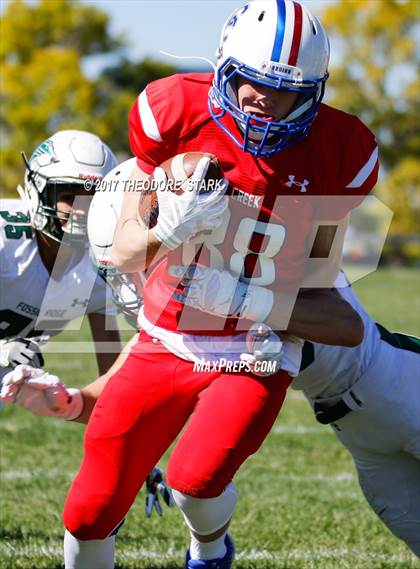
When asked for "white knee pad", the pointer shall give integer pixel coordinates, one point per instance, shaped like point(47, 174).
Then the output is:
point(207, 515)
point(80, 554)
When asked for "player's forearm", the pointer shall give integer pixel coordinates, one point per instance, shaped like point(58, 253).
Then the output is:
point(90, 395)
point(92, 391)
point(322, 316)
point(134, 247)
point(105, 331)
point(105, 360)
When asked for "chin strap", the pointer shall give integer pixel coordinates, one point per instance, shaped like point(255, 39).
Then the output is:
point(300, 108)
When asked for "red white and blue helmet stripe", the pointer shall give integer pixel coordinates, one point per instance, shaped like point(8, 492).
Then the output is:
point(280, 29)
point(286, 45)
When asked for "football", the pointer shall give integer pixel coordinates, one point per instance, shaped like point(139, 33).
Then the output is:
point(178, 170)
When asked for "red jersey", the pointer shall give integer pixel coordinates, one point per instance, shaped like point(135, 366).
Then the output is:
point(274, 201)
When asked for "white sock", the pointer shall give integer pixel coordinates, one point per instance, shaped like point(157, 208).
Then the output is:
point(88, 554)
point(205, 516)
point(212, 550)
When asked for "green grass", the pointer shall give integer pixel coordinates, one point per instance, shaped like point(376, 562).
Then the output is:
point(392, 297)
point(300, 506)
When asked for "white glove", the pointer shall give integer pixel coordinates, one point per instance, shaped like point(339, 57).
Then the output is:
point(41, 393)
point(265, 350)
point(183, 216)
point(20, 351)
point(221, 293)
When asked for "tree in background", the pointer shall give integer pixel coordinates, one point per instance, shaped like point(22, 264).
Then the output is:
point(43, 88)
point(377, 80)
point(117, 89)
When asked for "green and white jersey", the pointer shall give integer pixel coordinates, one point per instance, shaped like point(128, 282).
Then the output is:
point(330, 370)
point(31, 301)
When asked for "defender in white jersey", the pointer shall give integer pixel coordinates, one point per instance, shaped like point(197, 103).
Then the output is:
point(370, 395)
point(25, 281)
point(37, 390)
point(46, 276)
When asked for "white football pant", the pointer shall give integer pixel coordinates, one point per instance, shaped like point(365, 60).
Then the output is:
point(383, 436)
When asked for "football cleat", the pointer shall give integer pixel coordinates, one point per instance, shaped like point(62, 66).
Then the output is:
point(224, 562)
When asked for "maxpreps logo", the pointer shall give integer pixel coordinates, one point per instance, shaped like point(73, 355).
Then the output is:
point(268, 367)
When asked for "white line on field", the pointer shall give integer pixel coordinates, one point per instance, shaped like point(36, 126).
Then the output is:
point(254, 555)
point(18, 424)
point(36, 473)
point(54, 472)
point(19, 551)
point(299, 430)
point(332, 479)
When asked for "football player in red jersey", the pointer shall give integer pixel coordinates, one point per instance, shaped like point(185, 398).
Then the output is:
point(286, 157)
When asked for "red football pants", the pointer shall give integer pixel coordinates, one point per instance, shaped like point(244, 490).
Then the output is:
point(140, 412)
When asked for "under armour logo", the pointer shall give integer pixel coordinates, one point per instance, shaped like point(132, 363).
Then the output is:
point(301, 185)
point(83, 303)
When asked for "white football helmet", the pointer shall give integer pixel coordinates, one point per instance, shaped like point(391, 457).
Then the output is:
point(279, 44)
point(69, 161)
point(101, 225)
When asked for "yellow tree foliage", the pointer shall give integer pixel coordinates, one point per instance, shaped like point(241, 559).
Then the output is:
point(377, 44)
point(42, 86)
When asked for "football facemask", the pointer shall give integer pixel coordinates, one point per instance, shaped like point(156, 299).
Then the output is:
point(125, 290)
point(62, 165)
point(69, 225)
point(289, 51)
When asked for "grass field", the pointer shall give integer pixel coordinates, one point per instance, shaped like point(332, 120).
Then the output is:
point(300, 506)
